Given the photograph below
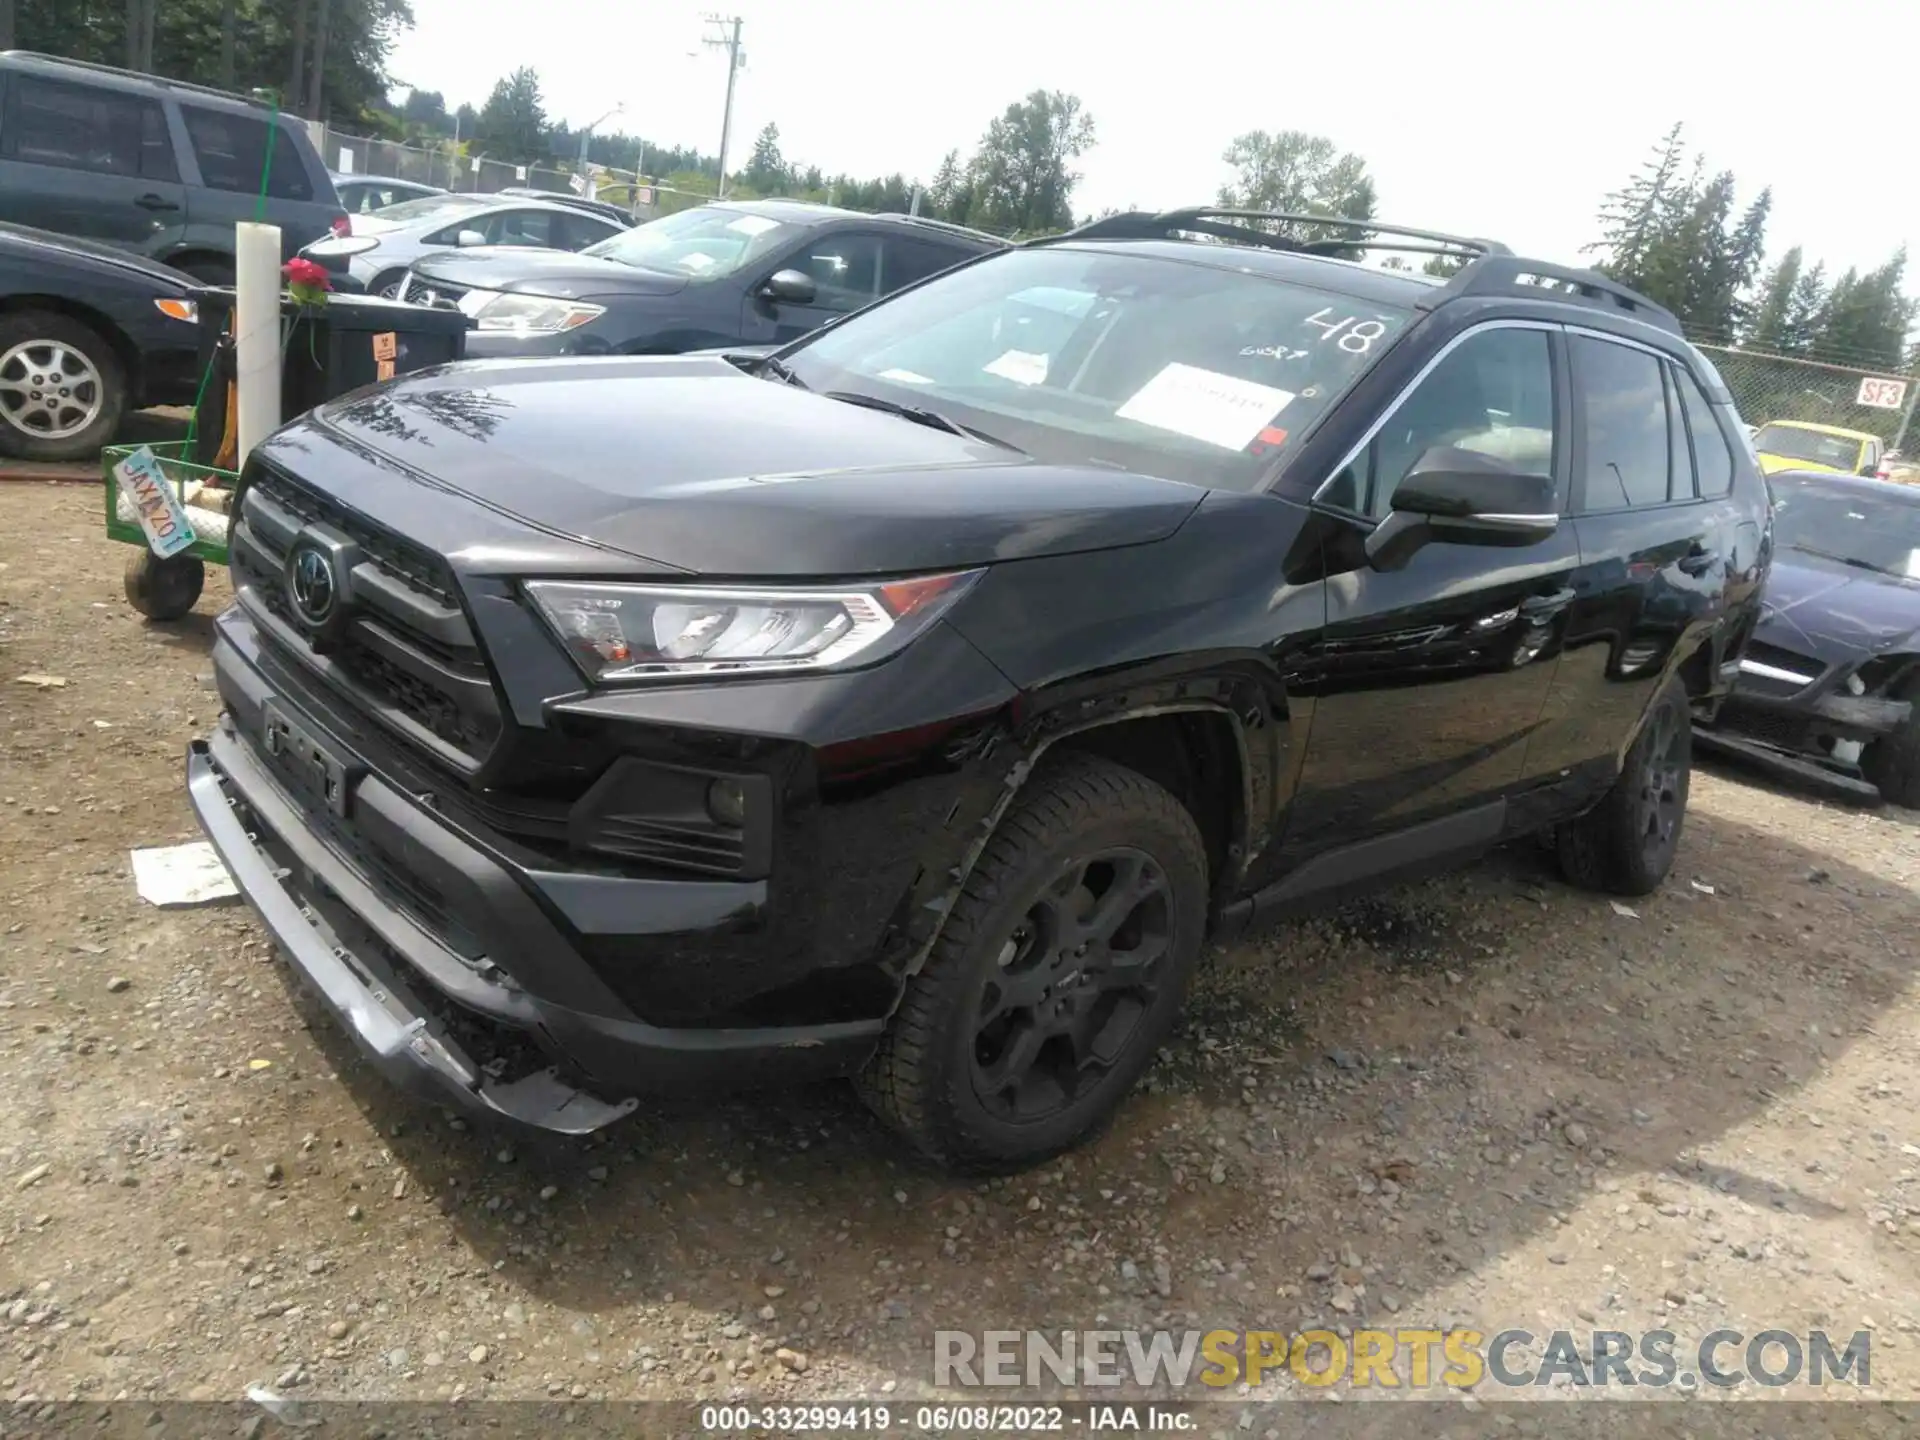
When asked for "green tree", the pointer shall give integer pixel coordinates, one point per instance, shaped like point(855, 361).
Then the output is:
point(513, 122)
point(1775, 307)
point(1634, 218)
point(1299, 174)
point(1866, 318)
point(951, 195)
point(767, 172)
point(1020, 179)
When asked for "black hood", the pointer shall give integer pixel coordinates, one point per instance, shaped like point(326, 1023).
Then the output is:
point(689, 463)
point(25, 243)
point(1835, 612)
point(558, 273)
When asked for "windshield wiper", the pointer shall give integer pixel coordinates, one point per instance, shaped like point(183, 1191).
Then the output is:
point(1854, 561)
point(781, 371)
point(932, 419)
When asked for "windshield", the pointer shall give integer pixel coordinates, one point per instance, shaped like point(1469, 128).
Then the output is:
point(1849, 523)
point(1842, 452)
point(1188, 371)
point(705, 243)
point(427, 207)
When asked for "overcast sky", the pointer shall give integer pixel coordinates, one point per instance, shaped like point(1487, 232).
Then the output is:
point(1480, 116)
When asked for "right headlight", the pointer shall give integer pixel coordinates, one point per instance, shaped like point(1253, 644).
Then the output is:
point(643, 632)
point(531, 313)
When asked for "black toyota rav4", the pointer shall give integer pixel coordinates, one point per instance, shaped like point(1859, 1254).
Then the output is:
point(915, 703)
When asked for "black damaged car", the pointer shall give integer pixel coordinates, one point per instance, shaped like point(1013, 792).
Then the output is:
point(1830, 680)
point(914, 703)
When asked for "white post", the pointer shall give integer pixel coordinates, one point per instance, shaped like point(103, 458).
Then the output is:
point(256, 328)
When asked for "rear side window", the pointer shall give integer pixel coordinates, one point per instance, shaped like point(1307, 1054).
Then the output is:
point(1627, 449)
point(232, 151)
point(80, 127)
point(906, 260)
point(1712, 457)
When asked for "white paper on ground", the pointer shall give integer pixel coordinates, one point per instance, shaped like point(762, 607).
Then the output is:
point(1023, 367)
point(1205, 405)
point(181, 875)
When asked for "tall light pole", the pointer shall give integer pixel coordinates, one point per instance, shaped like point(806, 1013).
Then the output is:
point(585, 136)
point(727, 38)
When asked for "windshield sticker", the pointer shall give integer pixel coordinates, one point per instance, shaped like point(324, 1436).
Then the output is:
point(1913, 565)
point(905, 377)
point(1205, 405)
point(1022, 367)
point(1273, 352)
point(753, 225)
point(1350, 333)
point(1267, 441)
point(697, 260)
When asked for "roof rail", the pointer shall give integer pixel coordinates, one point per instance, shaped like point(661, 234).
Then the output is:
point(1221, 225)
point(124, 74)
point(951, 227)
point(1511, 274)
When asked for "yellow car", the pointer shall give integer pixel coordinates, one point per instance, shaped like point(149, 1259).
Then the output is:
point(1802, 445)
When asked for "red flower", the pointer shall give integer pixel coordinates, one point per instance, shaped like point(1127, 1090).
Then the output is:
point(309, 273)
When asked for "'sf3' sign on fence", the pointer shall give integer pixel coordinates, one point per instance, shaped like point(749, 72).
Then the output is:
point(1882, 394)
point(146, 485)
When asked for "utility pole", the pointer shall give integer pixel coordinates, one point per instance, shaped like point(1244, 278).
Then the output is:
point(727, 38)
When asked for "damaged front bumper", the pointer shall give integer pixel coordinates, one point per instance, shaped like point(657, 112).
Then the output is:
point(367, 995)
point(1816, 739)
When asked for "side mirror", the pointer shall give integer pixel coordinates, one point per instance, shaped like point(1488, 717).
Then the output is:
point(789, 287)
point(468, 238)
point(1462, 497)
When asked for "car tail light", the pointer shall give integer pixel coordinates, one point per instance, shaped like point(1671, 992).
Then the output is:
point(342, 226)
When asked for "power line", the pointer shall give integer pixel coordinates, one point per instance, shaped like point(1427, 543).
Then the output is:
point(726, 37)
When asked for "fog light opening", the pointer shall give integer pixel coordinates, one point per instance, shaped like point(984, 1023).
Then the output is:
point(727, 803)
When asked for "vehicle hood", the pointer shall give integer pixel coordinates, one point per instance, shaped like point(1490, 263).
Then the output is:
point(561, 274)
point(687, 463)
point(25, 243)
point(1774, 464)
point(1834, 612)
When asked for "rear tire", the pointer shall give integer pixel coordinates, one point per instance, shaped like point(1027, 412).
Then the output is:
point(1059, 973)
point(1892, 762)
point(164, 589)
point(1625, 845)
point(62, 387)
point(387, 284)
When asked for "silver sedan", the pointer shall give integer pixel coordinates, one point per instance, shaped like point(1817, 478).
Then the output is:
point(385, 243)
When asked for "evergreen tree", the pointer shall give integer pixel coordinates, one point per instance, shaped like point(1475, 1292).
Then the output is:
point(513, 122)
point(1771, 316)
point(767, 172)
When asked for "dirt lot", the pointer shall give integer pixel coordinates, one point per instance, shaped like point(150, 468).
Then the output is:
point(1487, 1100)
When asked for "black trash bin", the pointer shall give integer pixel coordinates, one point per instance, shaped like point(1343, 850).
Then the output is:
point(353, 340)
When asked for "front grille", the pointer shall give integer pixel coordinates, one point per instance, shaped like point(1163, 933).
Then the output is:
point(407, 656)
point(439, 294)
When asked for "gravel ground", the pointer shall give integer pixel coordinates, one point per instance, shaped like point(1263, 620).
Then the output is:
point(1486, 1100)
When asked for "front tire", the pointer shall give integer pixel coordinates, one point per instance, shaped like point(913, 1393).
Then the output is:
point(1059, 973)
point(1625, 845)
point(1892, 762)
point(62, 388)
point(387, 284)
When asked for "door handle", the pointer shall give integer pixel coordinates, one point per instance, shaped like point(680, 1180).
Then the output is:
point(155, 202)
point(1697, 561)
point(1541, 607)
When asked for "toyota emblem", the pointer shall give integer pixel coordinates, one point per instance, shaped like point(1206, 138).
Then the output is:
point(311, 586)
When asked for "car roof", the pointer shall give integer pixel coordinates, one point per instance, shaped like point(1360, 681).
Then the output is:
point(1819, 429)
point(113, 77)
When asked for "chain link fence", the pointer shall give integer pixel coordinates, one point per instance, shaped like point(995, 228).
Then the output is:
point(449, 167)
point(1781, 387)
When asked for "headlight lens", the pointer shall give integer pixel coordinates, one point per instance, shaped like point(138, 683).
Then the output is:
point(527, 312)
point(639, 632)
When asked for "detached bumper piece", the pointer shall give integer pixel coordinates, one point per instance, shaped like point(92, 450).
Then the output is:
point(1808, 742)
point(368, 995)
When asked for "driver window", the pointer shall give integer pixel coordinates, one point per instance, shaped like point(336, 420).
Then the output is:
point(845, 270)
point(1492, 393)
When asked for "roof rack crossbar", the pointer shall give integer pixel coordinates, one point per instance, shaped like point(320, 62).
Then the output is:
point(1176, 219)
point(125, 74)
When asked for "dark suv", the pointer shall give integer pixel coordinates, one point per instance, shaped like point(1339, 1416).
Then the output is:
point(915, 703)
point(155, 166)
point(752, 272)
